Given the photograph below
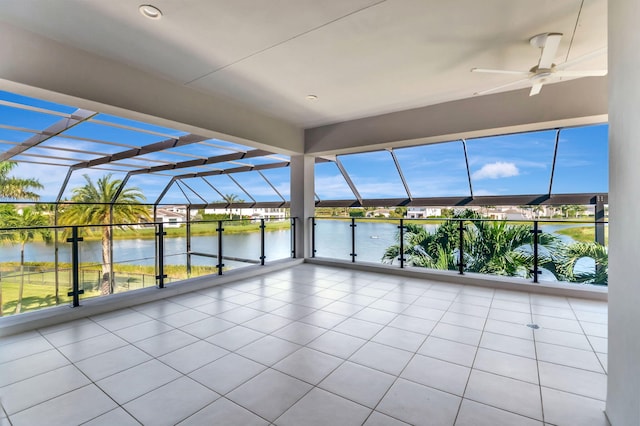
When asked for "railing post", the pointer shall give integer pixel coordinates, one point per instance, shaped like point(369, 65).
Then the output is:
point(353, 240)
point(461, 264)
point(600, 227)
point(293, 237)
point(536, 232)
point(220, 229)
point(313, 237)
point(262, 242)
point(599, 220)
point(75, 265)
point(188, 230)
point(160, 275)
point(401, 258)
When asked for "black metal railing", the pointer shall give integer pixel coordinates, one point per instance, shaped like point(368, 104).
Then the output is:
point(538, 249)
point(155, 253)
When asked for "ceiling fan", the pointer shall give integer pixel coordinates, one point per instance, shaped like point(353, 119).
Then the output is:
point(546, 71)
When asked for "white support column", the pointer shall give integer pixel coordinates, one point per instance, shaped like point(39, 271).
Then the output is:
point(623, 392)
point(302, 201)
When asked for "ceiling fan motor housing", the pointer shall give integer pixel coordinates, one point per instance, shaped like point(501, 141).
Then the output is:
point(540, 40)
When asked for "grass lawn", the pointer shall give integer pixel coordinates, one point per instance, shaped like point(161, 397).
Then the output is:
point(39, 285)
point(34, 296)
point(584, 234)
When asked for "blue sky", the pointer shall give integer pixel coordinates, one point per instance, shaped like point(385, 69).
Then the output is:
point(516, 164)
point(502, 165)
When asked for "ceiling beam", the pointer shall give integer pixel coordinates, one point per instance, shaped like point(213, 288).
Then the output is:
point(147, 149)
point(494, 200)
point(204, 161)
point(77, 117)
point(234, 170)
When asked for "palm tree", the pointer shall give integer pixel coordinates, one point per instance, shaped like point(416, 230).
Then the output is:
point(437, 249)
point(25, 225)
point(490, 247)
point(562, 263)
point(499, 248)
point(17, 188)
point(231, 199)
point(96, 209)
point(572, 209)
point(425, 249)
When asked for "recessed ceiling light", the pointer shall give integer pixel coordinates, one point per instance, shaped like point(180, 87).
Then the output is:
point(312, 98)
point(149, 11)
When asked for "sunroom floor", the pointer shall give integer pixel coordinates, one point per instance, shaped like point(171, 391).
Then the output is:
point(317, 345)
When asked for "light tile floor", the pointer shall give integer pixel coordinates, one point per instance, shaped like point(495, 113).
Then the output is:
point(317, 345)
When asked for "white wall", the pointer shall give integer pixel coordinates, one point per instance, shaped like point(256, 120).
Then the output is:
point(623, 396)
point(302, 201)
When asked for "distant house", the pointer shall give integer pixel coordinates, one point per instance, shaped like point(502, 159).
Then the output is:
point(267, 213)
point(176, 209)
point(170, 219)
point(513, 214)
point(496, 215)
point(379, 213)
point(423, 212)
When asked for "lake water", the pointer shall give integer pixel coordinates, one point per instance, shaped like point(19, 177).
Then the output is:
point(333, 240)
point(142, 251)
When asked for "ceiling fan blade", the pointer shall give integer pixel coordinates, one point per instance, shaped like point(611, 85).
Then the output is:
point(582, 58)
point(499, 71)
point(549, 50)
point(493, 89)
point(578, 73)
point(535, 89)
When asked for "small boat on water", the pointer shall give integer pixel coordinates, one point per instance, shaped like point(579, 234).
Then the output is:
point(374, 237)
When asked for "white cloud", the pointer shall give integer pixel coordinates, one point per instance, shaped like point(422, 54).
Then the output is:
point(496, 170)
point(332, 188)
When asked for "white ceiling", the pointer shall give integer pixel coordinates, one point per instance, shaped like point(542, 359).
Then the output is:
point(360, 57)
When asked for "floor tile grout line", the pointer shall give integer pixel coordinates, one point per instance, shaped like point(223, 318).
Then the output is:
point(153, 357)
point(128, 368)
point(398, 376)
point(604, 369)
point(231, 401)
point(573, 393)
point(507, 411)
point(94, 383)
point(235, 387)
point(346, 359)
point(57, 396)
point(4, 411)
point(370, 340)
point(466, 385)
point(35, 375)
point(313, 386)
point(271, 366)
point(535, 351)
point(569, 347)
point(114, 409)
point(519, 323)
